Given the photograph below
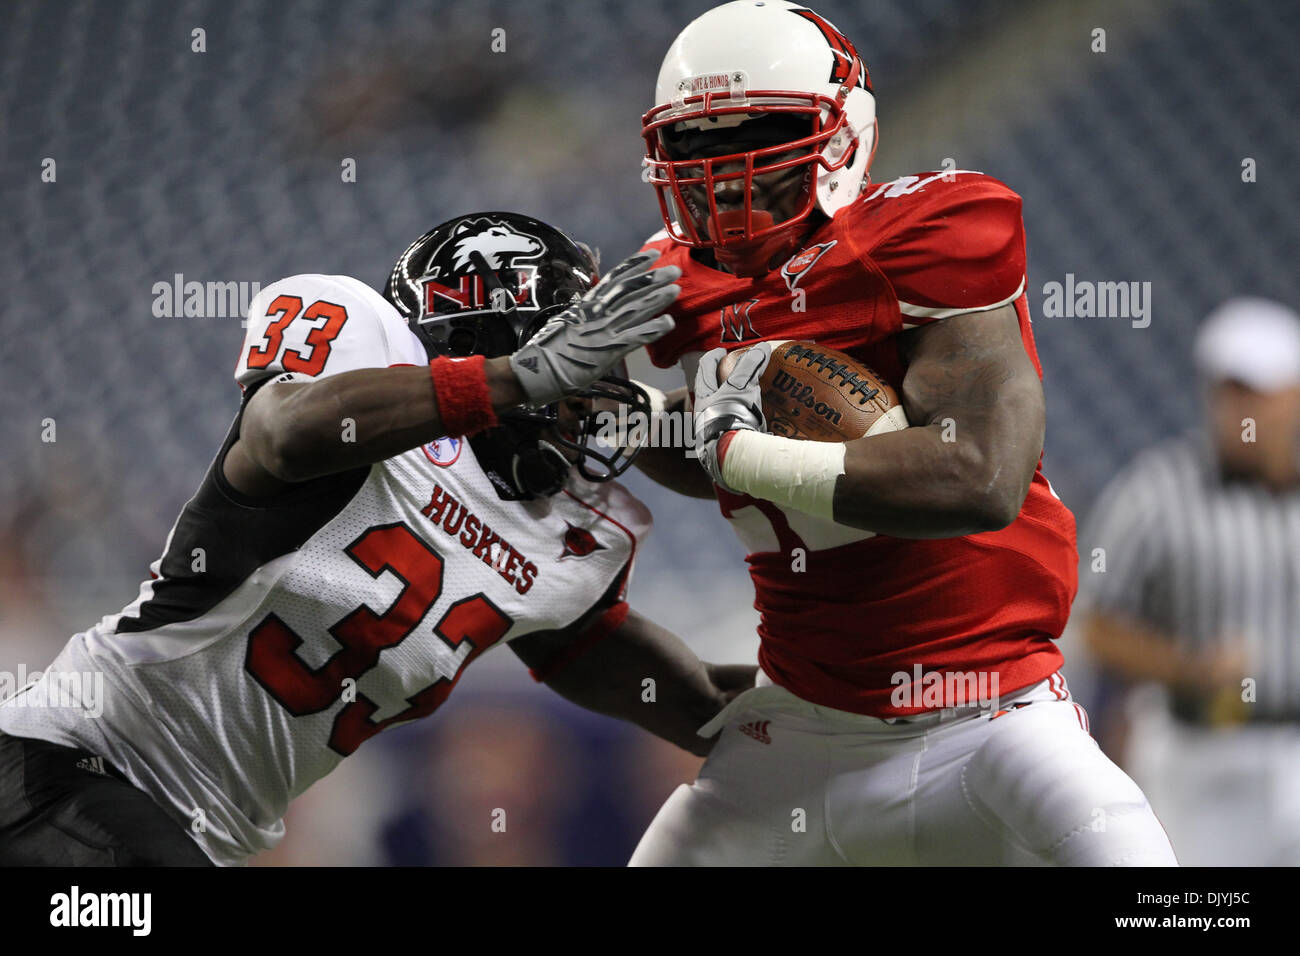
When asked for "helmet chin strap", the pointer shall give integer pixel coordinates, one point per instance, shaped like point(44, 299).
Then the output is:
point(539, 471)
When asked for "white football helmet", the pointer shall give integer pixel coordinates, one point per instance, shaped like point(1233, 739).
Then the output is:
point(747, 60)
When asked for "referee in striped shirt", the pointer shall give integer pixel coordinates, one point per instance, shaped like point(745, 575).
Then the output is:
point(1190, 590)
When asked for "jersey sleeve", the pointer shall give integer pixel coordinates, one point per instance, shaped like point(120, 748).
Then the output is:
point(310, 326)
point(961, 250)
point(621, 509)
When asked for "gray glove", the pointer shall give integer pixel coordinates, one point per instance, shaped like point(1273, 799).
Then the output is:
point(584, 342)
point(736, 404)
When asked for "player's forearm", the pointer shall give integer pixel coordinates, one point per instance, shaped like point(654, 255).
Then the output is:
point(1137, 652)
point(644, 674)
point(914, 484)
point(671, 468)
point(976, 406)
point(668, 465)
point(358, 418)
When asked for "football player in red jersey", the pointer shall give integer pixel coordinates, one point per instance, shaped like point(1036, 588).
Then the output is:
point(911, 584)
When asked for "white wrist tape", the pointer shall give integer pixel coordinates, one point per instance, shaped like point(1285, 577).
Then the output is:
point(786, 471)
point(622, 430)
point(658, 400)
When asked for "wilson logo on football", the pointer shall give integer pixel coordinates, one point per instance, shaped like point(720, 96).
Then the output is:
point(578, 543)
point(805, 396)
point(758, 730)
point(801, 263)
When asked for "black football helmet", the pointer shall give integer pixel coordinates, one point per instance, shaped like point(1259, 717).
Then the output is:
point(483, 284)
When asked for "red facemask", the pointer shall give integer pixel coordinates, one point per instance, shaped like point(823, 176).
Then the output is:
point(747, 241)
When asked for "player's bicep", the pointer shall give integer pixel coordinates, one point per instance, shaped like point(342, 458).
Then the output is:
point(970, 379)
point(301, 331)
point(252, 465)
point(974, 369)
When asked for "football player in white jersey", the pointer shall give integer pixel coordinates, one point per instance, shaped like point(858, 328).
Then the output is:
point(401, 490)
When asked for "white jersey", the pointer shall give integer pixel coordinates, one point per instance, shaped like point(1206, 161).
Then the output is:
point(276, 636)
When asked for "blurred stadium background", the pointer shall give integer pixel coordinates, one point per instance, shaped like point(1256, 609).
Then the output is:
point(225, 166)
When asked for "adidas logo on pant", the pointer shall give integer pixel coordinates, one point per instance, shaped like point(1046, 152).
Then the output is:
point(92, 764)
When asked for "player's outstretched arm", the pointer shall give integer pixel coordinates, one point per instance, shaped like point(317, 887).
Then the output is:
point(295, 431)
point(610, 677)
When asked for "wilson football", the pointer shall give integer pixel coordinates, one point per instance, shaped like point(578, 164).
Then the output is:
point(818, 394)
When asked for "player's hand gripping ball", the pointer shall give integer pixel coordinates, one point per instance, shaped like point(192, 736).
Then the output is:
point(814, 393)
point(797, 390)
point(727, 403)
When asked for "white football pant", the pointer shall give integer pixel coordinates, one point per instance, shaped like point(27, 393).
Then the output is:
point(790, 783)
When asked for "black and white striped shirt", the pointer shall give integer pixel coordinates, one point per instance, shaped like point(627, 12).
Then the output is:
point(1203, 559)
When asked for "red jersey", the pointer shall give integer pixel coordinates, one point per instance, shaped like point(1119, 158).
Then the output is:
point(839, 625)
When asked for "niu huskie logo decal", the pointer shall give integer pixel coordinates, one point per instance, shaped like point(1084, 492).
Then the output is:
point(801, 263)
point(455, 285)
point(500, 244)
point(578, 543)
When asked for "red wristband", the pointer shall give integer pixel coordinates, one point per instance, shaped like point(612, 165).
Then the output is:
point(461, 391)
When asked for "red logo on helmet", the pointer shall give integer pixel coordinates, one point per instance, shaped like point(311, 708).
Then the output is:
point(842, 49)
point(471, 292)
point(578, 543)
